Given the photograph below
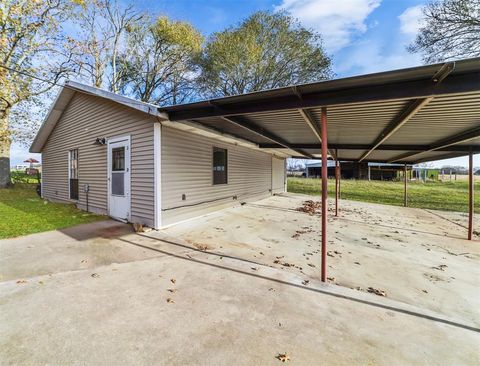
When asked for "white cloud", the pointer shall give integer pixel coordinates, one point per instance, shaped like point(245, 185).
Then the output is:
point(411, 20)
point(369, 56)
point(336, 20)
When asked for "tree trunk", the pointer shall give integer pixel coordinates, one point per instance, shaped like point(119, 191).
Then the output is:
point(5, 143)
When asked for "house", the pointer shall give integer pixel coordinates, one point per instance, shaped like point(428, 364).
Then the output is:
point(141, 163)
point(113, 155)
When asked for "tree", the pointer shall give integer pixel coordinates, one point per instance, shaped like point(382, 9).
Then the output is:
point(101, 26)
point(30, 40)
point(451, 30)
point(91, 44)
point(157, 63)
point(267, 50)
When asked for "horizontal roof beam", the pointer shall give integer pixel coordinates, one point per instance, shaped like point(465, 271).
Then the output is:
point(462, 137)
point(247, 125)
point(413, 89)
point(419, 148)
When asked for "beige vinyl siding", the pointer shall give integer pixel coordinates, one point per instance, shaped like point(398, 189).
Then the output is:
point(187, 169)
point(86, 118)
point(278, 175)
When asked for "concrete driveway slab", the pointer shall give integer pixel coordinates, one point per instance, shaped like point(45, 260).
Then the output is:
point(219, 313)
point(236, 287)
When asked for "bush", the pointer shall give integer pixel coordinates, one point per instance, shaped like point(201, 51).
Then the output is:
point(19, 176)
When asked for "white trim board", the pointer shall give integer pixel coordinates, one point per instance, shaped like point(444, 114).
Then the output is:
point(157, 174)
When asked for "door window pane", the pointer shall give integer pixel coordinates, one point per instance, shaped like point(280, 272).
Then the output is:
point(118, 184)
point(118, 159)
point(219, 165)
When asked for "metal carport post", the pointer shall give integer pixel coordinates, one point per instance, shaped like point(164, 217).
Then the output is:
point(324, 192)
point(337, 181)
point(470, 195)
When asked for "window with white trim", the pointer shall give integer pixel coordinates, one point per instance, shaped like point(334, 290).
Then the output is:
point(220, 162)
point(73, 173)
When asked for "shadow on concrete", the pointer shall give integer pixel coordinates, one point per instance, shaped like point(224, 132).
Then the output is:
point(324, 292)
point(107, 229)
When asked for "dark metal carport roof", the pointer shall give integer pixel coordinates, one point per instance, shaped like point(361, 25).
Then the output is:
point(405, 116)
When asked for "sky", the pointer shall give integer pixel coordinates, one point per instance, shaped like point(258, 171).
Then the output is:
point(361, 36)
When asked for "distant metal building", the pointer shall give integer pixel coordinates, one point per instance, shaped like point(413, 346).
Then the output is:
point(355, 170)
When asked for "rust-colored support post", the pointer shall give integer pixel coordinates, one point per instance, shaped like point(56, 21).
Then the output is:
point(470, 195)
point(337, 181)
point(405, 198)
point(324, 193)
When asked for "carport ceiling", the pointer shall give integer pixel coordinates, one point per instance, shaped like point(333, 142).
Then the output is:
point(405, 116)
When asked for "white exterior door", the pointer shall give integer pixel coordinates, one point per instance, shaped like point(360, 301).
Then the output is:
point(278, 175)
point(119, 178)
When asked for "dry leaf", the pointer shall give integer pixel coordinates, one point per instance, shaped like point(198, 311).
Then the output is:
point(172, 280)
point(95, 275)
point(22, 281)
point(283, 357)
point(376, 291)
point(172, 290)
point(170, 301)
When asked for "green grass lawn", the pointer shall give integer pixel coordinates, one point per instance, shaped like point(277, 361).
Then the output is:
point(23, 212)
point(448, 196)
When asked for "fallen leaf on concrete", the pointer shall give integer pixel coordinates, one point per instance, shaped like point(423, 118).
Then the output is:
point(310, 207)
point(172, 280)
point(441, 267)
point(172, 290)
point(305, 282)
point(357, 263)
point(331, 279)
point(83, 261)
point(283, 357)
point(95, 275)
point(40, 282)
point(139, 228)
point(425, 291)
point(22, 281)
point(311, 264)
point(170, 301)
point(203, 247)
point(376, 291)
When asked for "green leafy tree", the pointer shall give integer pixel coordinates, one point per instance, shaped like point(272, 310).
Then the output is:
point(451, 30)
point(267, 50)
point(157, 63)
point(30, 40)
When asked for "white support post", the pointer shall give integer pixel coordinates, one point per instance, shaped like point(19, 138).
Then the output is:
point(157, 172)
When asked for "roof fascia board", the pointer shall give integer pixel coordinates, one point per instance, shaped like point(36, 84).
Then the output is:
point(413, 89)
point(420, 148)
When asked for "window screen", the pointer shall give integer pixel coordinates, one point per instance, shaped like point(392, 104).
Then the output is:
point(118, 171)
point(73, 173)
point(219, 165)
